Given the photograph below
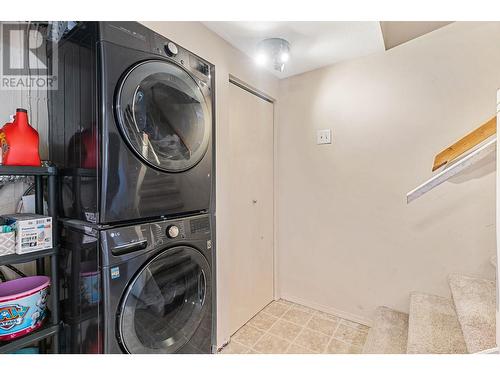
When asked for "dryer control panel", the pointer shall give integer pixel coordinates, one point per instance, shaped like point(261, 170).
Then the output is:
point(198, 67)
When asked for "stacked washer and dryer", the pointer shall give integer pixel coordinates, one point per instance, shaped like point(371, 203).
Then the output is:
point(131, 127)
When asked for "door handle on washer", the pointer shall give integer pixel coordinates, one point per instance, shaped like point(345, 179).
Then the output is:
point(129, 247)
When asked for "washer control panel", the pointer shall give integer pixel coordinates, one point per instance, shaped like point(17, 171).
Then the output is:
point(121, 243)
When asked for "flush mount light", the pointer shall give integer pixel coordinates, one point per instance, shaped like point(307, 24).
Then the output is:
point(274, 52)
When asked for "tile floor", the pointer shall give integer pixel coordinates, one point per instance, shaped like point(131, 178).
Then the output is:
point(285, 327)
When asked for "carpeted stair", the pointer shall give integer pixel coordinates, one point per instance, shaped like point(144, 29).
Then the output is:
point(475, 305)
point(433, 326)
point(389, 333)
point(438, 325)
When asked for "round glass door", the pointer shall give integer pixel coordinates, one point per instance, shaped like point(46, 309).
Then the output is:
point(163, 115)
point(165, 303)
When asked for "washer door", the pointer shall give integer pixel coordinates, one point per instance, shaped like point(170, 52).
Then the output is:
point(163, 115)
point(165, 303)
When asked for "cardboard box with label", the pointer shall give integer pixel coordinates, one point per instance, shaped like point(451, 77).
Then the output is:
point(33, 232)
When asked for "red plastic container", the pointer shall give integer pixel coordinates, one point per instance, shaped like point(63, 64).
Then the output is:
point(19, 142)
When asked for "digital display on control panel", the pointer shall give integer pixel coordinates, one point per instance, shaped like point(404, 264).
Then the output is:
point(200, 66)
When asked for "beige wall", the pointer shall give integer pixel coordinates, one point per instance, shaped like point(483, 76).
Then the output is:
point(347, 240)
point(227, 60)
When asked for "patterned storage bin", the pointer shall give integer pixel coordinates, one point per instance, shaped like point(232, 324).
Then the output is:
point(7, 243)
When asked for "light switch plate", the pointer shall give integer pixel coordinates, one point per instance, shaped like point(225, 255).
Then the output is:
point(323, 136)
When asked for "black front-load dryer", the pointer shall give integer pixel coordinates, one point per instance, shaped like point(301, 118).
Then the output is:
point(139, 289)
point(131, 125)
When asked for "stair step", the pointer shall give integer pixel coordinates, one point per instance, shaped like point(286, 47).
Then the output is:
point(388, 334)
point(433, 327)
point(475, 304)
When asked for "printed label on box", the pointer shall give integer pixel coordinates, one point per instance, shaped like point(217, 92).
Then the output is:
point(33, 232)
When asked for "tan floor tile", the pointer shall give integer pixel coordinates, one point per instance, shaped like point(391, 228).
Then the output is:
point(285, 330)
point(284, 320)
point(247, 335)
point(351, 335)
point(339, 347)
point(324, 315)
point(353, 349)
point(352, 324)
point(263, 321)
point(325, 326)
point(296, 349)
point(298, 306)
point(276, 309)
point(234, 348)
point(313, 340)
point(297, 316)
point(270, 344)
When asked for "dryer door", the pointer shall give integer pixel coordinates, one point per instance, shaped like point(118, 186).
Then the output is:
point(165, 303)
point(163, 115)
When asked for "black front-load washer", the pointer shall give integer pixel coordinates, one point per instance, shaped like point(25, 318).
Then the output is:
point(139, 289)
point(131, 125)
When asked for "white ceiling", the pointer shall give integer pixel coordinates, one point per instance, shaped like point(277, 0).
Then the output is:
point(399, 32)
point(312, 44)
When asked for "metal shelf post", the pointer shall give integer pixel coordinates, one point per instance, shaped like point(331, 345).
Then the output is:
point(51, 328)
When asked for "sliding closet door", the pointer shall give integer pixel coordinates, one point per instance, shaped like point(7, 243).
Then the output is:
point(251, 205)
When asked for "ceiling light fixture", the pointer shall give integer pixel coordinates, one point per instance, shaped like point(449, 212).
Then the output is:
point(261, 59)
point(275, 51)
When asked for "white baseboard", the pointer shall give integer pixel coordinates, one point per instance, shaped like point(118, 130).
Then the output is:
point(224, 344)
point(489, 351)
point(328, 309)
